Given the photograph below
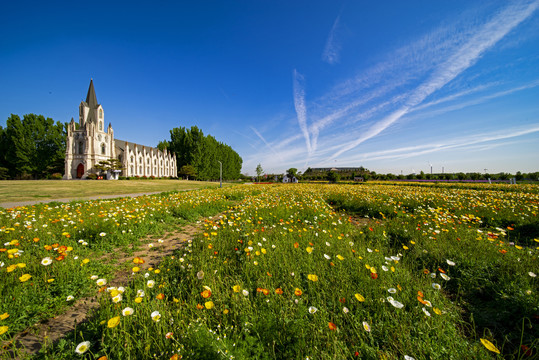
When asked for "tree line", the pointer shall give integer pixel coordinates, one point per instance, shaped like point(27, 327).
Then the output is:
point(198, 155)
point(32, 148)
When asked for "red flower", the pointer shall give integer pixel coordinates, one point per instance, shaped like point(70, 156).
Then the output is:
point(332, 326)
point(374, 276)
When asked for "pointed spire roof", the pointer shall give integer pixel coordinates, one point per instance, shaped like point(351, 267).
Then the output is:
point(91, 99)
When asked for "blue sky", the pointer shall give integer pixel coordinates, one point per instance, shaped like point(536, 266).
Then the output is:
point(394, 86)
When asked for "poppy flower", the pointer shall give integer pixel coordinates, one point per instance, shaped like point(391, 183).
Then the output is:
point(156, 316)
point(332, 326)
point(25, 277)
point(206, 294)
point(374, 276)
point(113, 322)
point(490, 346)
point(160, 296)
point(366, 326)
point(209, 305)
point(312, 277)
point(298, 292)
point(279, 291)
point(82, 347)
point(127, 311)
point(359, 297)
point(3, 329)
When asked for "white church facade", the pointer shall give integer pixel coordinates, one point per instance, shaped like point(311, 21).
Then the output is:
point(90, 142)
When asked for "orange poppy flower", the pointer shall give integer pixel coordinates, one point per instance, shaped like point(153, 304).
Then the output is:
point(426, 271)
point(441, 270)
point(160, 296)
point(332, 326)
point(374, 276)
point(298, 292)
point(296, 245)
point(420, 293)
point(279, 291)
point(200, 306)
point(138, 260)
point(206, 294)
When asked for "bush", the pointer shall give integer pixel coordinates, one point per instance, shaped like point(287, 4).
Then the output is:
point(56, 176)
point(92, 177)
point(123, 178)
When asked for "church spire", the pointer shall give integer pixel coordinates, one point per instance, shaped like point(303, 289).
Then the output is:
point(91, 99)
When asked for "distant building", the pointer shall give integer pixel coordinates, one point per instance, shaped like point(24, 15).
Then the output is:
point(89, 143)
point(289, 179)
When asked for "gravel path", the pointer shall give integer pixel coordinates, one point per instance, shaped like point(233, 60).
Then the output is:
point(9, 205)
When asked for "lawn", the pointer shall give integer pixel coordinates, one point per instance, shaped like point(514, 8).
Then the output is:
point(25, 190)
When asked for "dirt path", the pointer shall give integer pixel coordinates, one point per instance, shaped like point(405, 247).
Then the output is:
point(30, 341)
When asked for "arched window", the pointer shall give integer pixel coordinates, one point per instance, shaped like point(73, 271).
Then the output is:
point(140, 170)
point(101, 125)
point(148, 161)
point(102, 149)
point(81, 147)
point(131, 170)
point(101, 113)
point(131, 158)
point(154, 162)
point(140, 161)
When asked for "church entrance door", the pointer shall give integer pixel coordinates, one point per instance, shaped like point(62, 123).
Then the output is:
point(80, 171)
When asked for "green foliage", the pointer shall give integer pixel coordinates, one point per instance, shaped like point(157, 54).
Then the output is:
point(111, 164)
point(203, 153)
point(333, 176)
point(33, 147)
point(188, 171)
point(259, 171)
point(292, 172)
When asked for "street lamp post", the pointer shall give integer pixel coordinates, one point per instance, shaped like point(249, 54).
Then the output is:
point(220, 174)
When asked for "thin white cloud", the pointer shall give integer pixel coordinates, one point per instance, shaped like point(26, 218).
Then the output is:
point(332, 48)
point(483, 139)
point(265, 142)
point(301, 109)
point(465, 56)
point(482, 99)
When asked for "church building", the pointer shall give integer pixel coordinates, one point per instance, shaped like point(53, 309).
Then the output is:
point(90, 142)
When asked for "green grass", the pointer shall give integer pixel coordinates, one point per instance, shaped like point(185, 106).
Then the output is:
point(25, 190)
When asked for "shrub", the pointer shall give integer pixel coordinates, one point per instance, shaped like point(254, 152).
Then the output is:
point(56, 176)
point(92, 177)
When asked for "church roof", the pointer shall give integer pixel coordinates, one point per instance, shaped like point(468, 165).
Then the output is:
point(121, 145)
point(91, 99)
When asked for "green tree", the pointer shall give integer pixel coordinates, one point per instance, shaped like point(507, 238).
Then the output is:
point(188, 171)
point(292, 172)
point(110, 164)
point(34, 146)
point(259, 171)
point(202, 152)
point(333, 176)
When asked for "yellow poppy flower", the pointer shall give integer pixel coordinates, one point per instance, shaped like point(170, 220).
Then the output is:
point(113, 322)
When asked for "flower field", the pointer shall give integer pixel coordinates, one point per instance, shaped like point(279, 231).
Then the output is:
point(370, 271)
